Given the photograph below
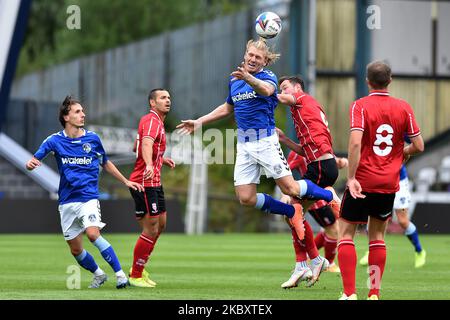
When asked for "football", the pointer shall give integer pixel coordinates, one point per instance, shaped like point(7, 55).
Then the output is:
point(268, 25)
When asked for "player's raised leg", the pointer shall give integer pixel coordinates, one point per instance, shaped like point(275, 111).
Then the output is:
point(294, 212)
point(298, 189)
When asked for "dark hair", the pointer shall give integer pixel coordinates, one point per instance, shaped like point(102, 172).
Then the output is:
point(379, 74)
point(293, 80)
point(152, 94)
point(65, 109)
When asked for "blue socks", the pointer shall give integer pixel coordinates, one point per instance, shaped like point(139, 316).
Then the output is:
point(107, 253)
point(312, 190)
point(268, 204)
point(309, 189)
point(413, 236)
point(85, 260)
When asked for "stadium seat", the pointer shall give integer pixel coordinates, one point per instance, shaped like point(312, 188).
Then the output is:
point(425, 179)
point(444, 170)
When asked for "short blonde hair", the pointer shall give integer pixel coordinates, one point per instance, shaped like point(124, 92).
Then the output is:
point(261, 44)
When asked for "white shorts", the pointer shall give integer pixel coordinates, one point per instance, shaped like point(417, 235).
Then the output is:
point(258, 157)
point(403, 196)
point(77, 216)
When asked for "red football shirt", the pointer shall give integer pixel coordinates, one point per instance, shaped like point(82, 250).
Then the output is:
point(150, 127)
point(297, 162)
point(384, 121)
point(311, 126)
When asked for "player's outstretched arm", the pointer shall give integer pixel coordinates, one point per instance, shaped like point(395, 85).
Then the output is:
point(32, 164)
point(189, 126)
point(112, 169)
point(286, 99)
point(297, 148)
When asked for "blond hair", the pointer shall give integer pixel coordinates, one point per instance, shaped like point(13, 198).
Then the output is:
point(261, 44)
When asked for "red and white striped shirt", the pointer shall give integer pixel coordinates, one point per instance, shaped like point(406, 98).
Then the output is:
point(150, 127)
point(384, 121)
point(311, 127)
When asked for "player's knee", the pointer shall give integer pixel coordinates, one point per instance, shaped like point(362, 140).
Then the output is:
point(291, 190)
point(76, 251)
point(403, 223)
point(402, 219)
point(247, 199)
point(92, 234)
point(151, 230)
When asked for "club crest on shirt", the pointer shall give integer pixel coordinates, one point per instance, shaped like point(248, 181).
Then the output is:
point(87, 147)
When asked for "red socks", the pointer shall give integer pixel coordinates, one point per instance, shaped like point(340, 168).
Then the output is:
point(142, 250)
point(319, 240)
point(330, 248)
point(299, 247)
point(306, 246)
point(309, 241)
point(347, 264)
point(329, 245)
point(377, 261)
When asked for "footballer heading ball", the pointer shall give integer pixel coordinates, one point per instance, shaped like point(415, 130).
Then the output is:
point(268, 25)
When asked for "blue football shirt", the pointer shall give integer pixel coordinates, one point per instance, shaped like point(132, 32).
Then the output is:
point(252, 110)
point(403, 172)
point(78, 162)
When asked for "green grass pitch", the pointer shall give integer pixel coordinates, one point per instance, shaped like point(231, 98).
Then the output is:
point(213, 267)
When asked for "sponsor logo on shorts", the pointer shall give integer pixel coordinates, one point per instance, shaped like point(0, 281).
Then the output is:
point(92, 218)
point(154, 208)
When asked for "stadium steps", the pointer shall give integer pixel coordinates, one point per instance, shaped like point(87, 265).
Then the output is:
point(18, 156)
